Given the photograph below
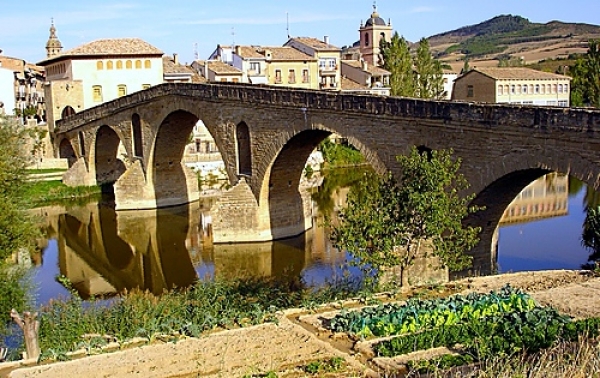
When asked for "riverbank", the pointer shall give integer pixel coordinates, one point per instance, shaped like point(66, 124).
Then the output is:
point(287, 347)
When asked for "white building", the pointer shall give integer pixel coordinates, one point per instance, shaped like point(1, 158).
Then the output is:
point(7, 91)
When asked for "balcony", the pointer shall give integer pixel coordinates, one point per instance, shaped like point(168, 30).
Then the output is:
point(328, 71)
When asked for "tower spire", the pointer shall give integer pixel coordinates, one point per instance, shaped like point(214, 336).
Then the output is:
point(53, 46)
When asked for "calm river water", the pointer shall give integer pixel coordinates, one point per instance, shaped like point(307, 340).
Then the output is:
point(103, 252)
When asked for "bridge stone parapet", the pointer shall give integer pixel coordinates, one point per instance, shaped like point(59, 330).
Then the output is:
point(537, 118)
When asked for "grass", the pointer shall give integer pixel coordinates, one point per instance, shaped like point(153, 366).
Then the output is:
point(40, 193)
point(203, 307)
point(43, 171)
point(565, 359)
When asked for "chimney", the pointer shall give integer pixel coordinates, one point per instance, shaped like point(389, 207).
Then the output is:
point(268, 55)
point(326, 39)
point(176, 58)
point(237, 50)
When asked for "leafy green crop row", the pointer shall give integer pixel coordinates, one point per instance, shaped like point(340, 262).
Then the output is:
point(501, 335)
point(417, 315)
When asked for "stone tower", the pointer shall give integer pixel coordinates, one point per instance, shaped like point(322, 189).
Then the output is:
point(371, 33)
point(53, 46)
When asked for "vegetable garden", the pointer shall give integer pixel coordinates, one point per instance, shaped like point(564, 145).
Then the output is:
point(478, 326)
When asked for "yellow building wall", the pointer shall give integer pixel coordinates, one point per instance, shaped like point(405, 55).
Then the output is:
point(297, 66)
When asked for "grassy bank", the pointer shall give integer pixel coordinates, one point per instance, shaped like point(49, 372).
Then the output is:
point(41, 193)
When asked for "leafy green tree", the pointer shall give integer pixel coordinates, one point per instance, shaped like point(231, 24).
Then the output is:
point(397, 60)
point(585, 87)
point(590, 236)
point(466, 67)
point(386, 225)
point(429, 71)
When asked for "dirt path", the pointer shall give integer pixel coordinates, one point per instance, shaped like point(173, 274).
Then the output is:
point(288, 346)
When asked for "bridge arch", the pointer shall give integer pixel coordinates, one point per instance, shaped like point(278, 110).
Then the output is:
point(506, 179)
point(172, 181)
point(66, 151)
point(108, 167)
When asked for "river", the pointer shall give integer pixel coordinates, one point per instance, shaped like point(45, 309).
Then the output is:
point(102, 252)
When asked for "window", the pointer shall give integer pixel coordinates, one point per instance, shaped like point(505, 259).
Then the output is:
point(530, 88)
point(292, 77)
point(537, 89)
point(469, 91)
point(563, 103)
point(138, 64)
point(147, 64)
point(119, 65)
point(500, 90)
point(255, 68)
point(525, 89)
point(332, 64)
point(146, 86)
point(277, 76)
point(109, 65)
point(99, 65)
point(543, 89)
point(121, 90)
point(128, 64)
point(97, 93)
point(560, 88)
point(305, 77)
point(513, 89)
point(566, 88)
point(223, 79)
point(235, 80)
point(366, 39)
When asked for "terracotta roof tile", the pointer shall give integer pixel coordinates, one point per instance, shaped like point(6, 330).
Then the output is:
point(316, 43)
point(516, 73)
point(373, 70)
point(169, 66)
point(115, 46)
point(249, 52)
point(348, 84)
point(287, 53)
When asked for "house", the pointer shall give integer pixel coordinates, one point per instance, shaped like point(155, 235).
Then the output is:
point(328, 57)
point(370, 78)
point(27, 91)
point(252, 62)
point(96, 72)
point(289, 67)
point(448, 78)
point(174, 72)
point(217, 71)
point(513, 85)
point(7, 92)
point(223, 53)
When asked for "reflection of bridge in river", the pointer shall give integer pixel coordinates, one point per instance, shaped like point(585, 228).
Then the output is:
point(103, 252)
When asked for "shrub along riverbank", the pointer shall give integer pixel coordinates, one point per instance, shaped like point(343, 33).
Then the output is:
point(42, 193)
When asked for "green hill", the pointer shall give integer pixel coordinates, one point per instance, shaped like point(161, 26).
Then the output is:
point(501, 34)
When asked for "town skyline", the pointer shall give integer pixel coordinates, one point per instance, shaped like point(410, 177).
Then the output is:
point(179, 28)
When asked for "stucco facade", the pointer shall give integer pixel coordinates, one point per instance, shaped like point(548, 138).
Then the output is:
point(513, 85)
point(328, 56)
point(7, 92)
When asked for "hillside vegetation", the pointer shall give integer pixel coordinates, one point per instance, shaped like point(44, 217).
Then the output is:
point(508, 36)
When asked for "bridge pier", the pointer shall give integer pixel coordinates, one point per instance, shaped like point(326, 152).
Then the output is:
point(237, 217)
point(133, 190)
point(78, 175)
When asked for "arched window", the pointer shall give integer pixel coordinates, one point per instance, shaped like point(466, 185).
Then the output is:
point(81, 144)
point(147, 64)
point(121, 90)
point(500, 90)
point(138, 64)
point(97, 93)
point(109, 65)
point(242, 136)
point(119, 65)
point(366, 39)
point(67, 111)
point(128, 65)
point(99, 65)
point(560, 88)
point(136, 130)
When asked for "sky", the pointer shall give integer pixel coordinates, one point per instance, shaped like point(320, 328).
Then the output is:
point(190, 27)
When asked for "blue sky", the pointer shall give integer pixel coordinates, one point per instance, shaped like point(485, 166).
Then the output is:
point(177, 26)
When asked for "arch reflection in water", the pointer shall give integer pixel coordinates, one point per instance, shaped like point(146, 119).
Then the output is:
point(103, 252)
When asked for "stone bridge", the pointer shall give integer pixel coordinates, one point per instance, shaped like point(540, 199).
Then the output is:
point(265, 135)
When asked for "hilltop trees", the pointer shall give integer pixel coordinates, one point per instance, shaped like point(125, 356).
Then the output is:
point(420, 76)
point(585, 88)
point(388, 224)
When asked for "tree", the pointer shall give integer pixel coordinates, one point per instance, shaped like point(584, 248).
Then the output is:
point(429, 71)
point(585, 87)
point(397, 60)
point(466, 67)
point(386, 225)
